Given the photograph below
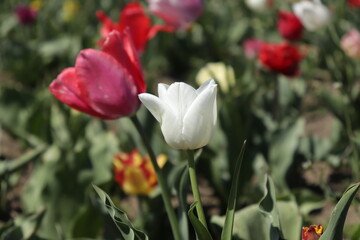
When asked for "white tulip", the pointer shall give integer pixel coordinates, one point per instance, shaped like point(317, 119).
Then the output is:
point(312, 14)
point(187, 116)
point(258, 5)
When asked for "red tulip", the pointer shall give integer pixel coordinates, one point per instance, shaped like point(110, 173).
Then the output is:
point(134, 18)
point(280, 57)
point(354, 3)
point(313, 232)
point(104, 83)
point(289, 26)
point(177, 13)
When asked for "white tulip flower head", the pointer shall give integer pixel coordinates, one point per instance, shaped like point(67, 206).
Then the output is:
point(312, 14)
point(187, 116)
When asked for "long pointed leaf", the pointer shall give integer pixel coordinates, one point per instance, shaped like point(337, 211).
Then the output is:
point(122, 222)
point(201, 231)
point(334, 230)
point(230, 211)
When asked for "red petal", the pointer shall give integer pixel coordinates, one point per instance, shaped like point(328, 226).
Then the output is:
point(121, 47)
point(134, 17)
point(65, 88)
point(108, 85)
point(157, 28)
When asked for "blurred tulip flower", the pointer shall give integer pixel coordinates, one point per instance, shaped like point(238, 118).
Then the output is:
point(281, 57)
point(69, 10)
point(104, 83)
point(350, 43)
point(187, 116)
point(313, 232)
point(135, 173)
point(353, 3)
point(289, 26)
point(134, 18)
point(313, 14)
point(177, 13)
point(36, 4)
point(259, 5)
point(25, 14)
point(251, 48)
point(223, 74)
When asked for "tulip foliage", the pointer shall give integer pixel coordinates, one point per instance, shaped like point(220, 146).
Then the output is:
point(169, 119)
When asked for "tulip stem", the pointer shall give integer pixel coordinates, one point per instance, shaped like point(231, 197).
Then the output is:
point(195, 187)
point(164, 189)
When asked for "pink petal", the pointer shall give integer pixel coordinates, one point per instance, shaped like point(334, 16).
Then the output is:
point(121, 47)
point(65, 88)
point(107, 85)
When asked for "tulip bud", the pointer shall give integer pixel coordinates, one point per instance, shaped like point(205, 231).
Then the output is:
point(313, 232)
point(177, 13)
point(223, 74)
point(134, 173)
point(289, 26)
point(312, 14)
point(350, 43)
point(187, 116)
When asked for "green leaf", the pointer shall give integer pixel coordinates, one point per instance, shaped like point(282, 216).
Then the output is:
point(268, 208)
point(230, 211)
point(334, 230)
point(23, 226)
point(122, 222)
point(182, 191)
point(282, 149)
point(201, 231)
point(251, 224)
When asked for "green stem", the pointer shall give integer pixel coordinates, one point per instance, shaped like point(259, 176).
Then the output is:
point(195, 187)
point(164, 190)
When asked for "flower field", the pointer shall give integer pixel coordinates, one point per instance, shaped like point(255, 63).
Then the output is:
point(180, 119)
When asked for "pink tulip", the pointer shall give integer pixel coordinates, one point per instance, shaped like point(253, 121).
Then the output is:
point(104, 83)
point(252, 47)
point(350, 43)
point(178, 13)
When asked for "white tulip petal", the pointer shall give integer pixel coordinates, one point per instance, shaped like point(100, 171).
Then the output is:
point(154, 105)
point(162, 89)
point(200, 119)
point(313, 14)
point(205, 85)
point(179, 97)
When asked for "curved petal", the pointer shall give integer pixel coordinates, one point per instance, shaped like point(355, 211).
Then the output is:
point(162, 89)
point(207, 84)
point(179, 96)
point(107, 85)
point(200, 119)
point(154, 105)
point(120, 46)
point(134, 17)
point(65, 88)
point(169, 121)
